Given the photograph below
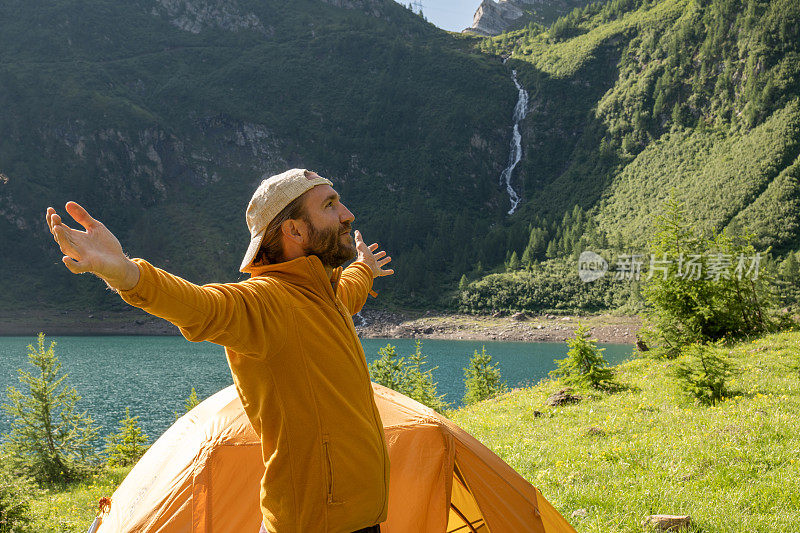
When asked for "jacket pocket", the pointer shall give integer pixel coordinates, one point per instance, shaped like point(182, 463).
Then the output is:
point(330, 474)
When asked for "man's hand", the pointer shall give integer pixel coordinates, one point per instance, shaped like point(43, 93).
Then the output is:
point(95, 250)
point(375, 261)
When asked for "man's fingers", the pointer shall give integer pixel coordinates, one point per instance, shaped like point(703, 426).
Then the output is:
point(63, 236)
point(53, 220)
point(76, 267)
point(357, 236)
point(385, 272)
point(372, 247)
point(48, 216)
point(80, 215)
point(384, 261)
point(380, 254)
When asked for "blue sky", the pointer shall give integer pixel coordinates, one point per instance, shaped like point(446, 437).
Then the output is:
point(452, 15)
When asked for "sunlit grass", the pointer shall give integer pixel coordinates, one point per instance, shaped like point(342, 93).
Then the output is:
point(72, 508)
point(651, 450)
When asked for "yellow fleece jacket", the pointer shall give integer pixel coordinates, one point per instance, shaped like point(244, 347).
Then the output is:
point(300, 372)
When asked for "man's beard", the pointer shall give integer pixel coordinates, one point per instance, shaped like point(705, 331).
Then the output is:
point(327, 245)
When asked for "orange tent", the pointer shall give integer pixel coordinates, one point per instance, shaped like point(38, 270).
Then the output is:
point(203, 476)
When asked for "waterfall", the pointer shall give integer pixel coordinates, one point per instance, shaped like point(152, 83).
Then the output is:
point(515, 154)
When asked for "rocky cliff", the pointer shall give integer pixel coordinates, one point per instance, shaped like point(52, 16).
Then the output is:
point(493, 18)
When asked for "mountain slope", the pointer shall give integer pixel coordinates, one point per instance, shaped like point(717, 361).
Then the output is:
point(633, 98)
point(161, 117)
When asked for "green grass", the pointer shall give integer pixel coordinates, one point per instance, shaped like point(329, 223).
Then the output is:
point(733, 467)
point(72, 508)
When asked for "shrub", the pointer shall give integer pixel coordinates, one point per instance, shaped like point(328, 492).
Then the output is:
point(704, 372)
point(127, 445)
point(482, 378)
point(15, 494)
point(584, 364)
point(49, 439)
point(551, 286)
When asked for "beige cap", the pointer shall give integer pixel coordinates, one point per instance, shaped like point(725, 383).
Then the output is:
point(269, 199)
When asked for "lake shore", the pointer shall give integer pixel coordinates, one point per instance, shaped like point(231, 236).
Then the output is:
point(604, 328)
point(371, 323)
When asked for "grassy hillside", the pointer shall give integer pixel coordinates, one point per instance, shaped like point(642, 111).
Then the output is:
point(650, 450)
point(632, 99)
point(745, 179)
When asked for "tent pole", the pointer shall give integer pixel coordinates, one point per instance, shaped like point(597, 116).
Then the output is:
point(462, 517)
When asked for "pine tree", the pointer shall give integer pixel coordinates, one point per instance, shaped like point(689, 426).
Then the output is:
point(552, 249)
point(704, 371)
point(790, 270)
point(420, 385)
point(407, 376)
point(389, 369)
point(584, 364)
point(190, 403)
point(48, 438)
point(128, 444)
point(684, 309)
point(513, 263)
point(528, 258)
point(482, 378)
point(463, 283)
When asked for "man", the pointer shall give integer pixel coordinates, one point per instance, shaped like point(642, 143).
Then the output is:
point(296, 360)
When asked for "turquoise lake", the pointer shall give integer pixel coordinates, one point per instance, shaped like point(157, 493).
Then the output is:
point(154, 375)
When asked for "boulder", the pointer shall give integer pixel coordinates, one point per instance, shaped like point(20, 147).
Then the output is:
point(562, 397)
point(665, 522)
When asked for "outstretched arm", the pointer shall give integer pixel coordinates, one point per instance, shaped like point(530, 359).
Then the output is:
point(94, 250)
point(245, 317)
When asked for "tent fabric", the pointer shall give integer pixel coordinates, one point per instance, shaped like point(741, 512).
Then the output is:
point(203, 476)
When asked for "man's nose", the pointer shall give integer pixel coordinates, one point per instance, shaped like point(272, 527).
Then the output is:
point(346, 217)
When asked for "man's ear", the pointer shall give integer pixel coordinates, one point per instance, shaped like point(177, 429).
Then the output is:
point(294, 230)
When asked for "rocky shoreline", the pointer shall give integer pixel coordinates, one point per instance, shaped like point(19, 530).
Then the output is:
point(370, 323)
point(520, 327)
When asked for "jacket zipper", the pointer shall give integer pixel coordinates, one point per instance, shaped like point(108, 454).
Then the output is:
point(375, 416)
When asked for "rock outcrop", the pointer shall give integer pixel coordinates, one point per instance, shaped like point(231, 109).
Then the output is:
point(495, 17)
point(195, 15)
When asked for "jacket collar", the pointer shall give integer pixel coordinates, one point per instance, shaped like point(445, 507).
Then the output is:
point(303, 271)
